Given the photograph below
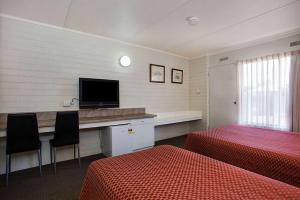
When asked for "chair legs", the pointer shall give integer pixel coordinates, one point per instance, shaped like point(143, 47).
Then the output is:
point(9, 167)
point(79, 162)
point(8, 164)
point(40, 160)
point(54, 158)
point(74, 151)
point(53, 155)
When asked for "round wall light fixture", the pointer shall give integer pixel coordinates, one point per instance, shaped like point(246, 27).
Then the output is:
point(125, 61)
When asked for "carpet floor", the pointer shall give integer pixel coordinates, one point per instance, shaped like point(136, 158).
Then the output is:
point(65, 185)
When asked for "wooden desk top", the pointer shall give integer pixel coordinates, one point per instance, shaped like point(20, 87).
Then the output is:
point(47, 119)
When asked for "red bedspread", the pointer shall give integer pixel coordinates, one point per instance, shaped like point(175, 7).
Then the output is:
point(167, 172)
point(271, 153)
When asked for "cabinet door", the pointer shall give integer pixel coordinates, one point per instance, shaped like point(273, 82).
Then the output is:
point(143, 135)
point(122, 140)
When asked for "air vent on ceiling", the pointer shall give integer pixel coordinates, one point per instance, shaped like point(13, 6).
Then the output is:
point(223, 59)
point(296, 43)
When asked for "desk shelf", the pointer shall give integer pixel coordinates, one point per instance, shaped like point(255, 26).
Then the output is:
point(176, 117)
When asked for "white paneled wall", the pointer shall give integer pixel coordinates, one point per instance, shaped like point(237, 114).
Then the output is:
point(40, 66)
point(199, 69)
point(199, 91)
point(229, 115)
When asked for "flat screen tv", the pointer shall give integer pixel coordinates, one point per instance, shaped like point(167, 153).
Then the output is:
point(98, 93)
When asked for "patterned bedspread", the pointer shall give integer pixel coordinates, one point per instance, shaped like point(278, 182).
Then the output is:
point(271, 153)
point(167, 172)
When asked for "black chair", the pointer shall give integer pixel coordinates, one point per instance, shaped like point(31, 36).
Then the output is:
point(66, 133)
point(22, 135)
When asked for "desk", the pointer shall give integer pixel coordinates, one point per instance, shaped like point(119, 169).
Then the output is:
point(165, 118)
point(90, 142)
point(142, 125)
point(47, 125)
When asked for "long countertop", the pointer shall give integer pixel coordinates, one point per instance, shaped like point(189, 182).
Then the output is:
point(46, 126)
point(47, 119)
point(88, 120)
point(93, 119)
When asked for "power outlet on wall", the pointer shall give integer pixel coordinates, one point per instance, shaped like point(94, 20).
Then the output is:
point(67, 103)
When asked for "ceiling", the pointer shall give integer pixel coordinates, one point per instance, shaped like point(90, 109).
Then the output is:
point(161, 24)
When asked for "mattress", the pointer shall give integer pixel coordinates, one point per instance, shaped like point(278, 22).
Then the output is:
point(167, 172)
point(275, 154)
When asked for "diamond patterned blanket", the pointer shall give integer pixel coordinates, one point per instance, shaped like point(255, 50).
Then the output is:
point(271, 153)
point(168, 172)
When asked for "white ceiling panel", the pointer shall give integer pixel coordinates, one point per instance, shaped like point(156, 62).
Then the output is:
point(280, 21)
point(120, 19)
point(161, 24)
point(46, 11)
point(174, 32)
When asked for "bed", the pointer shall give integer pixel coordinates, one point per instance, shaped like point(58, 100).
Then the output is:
point(275, 154)
point(167, 172)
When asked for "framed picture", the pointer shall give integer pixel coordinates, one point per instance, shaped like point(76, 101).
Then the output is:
point(177, 76)
point(157, 73)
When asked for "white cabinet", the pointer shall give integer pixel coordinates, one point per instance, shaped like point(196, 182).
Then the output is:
point(122, 139)
point(116, 140)
point(143, 132)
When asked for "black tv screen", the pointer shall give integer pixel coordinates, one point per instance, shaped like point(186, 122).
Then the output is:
point(98, 93)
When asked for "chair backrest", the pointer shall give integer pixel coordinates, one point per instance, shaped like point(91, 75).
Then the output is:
point(22, 133)
point(67, 127)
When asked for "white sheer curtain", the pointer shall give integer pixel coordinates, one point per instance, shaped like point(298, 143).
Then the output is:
point(296, 91)
point(265, 92)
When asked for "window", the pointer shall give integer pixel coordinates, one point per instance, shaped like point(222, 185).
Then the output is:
point(264, 92)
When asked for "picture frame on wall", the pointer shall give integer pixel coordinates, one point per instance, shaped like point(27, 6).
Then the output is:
point(177, 76)
point(157, 73)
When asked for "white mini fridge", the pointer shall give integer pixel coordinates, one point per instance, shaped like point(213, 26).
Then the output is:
point(117, 140)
